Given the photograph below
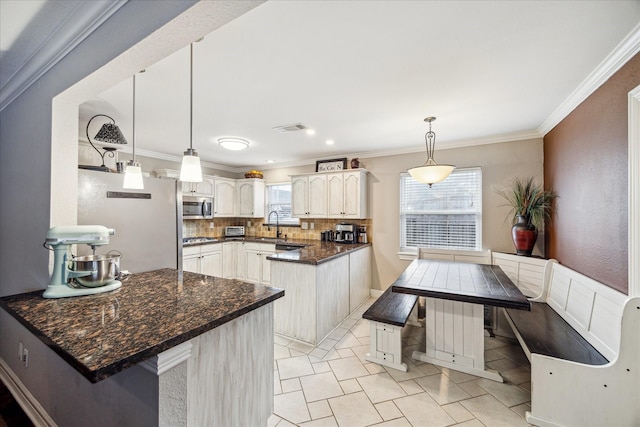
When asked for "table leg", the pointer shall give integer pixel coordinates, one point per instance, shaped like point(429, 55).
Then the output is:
point(455, 337)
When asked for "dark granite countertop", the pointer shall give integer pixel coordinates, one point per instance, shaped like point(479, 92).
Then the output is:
point(315, 251)
point(101, 335)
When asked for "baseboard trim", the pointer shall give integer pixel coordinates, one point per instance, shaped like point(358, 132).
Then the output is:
point(376, 293)
point(25, 399)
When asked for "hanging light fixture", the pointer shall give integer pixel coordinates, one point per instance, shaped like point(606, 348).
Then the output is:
point(133, 171)
point(431, 172)
point(109, 132)
point(191, 170)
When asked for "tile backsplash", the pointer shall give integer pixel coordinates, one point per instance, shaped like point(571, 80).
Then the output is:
point(255, 227)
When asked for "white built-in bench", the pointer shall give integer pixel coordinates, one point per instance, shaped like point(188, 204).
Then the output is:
point(583, 341)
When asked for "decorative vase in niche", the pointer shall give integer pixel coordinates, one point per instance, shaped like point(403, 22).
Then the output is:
point(355, 163)
point(524, 235)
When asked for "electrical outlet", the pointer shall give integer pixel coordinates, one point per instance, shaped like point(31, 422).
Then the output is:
point(304, 225)
point(248, 223)
point(25, 358)
point(312, 226)
point(211, 224)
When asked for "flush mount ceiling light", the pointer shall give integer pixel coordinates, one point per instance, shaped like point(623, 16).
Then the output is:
point(232, 143)
point(109, 132)
point(191, 170)
point(133, 171)
point(431, 172)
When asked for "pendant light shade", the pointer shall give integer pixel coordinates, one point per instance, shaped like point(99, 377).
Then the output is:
point(191, 170)
point(431, 172)
point(133, 171)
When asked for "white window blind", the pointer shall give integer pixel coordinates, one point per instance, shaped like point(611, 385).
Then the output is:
point(446, 216)
point(279, 200)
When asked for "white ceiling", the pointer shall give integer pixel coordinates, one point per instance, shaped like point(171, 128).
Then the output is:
point(366, 74)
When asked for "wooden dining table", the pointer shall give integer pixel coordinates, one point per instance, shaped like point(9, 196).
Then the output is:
point(456, 294)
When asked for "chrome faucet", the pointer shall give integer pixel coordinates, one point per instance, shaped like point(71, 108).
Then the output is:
point(278, 232)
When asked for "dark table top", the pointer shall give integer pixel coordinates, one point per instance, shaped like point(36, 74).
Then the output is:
point(457, 281)
point(103, 334)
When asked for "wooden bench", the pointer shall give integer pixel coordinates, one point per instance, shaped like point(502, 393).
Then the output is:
point(387, 317)
point(583, 341)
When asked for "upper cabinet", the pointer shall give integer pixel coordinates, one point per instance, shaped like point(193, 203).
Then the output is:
point(224, 200)
point(250, 197)
point(204, 188)
point(346, 194)
point(309, 196)
point(330, 195)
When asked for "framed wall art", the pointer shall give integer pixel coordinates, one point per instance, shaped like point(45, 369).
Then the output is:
point(331, 165)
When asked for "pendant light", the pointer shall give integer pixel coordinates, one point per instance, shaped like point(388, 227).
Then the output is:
point(431, 172)
point(191, 170)
point(133, 171)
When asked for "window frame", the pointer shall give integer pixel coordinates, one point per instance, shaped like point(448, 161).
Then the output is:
point(410, 252)
point(289, 222)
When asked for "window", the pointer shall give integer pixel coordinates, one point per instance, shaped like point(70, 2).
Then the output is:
point(446, 216)
point(279, 200)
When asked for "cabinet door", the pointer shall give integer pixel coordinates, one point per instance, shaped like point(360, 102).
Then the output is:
point(225, 198)
point(254, 266)
point(317, 196)
point(241, 261)
point(299, 196)
point(245, 198)
point(191, 263)
point(204, 188)
point(265, 273)
point(228, 260)
point(211, 264)
point(335, 195)
point(351, 182)
point(187, 188)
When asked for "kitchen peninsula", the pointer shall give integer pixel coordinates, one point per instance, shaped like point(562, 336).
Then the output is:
point(324, 282)
point(207, 342)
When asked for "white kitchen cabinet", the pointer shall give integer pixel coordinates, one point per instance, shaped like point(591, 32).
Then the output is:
point(258, 267)
point(203, 259)
point(224, 200)
point(204, 188)
point(250, 197)
point(228, 260)
point(309, 196)
point(346, 194)
point(241, 261)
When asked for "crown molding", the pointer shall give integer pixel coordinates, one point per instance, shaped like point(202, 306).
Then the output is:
point(625, 50)
point(73, 30)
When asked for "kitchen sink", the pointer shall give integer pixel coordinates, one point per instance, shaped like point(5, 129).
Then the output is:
point(289, 246)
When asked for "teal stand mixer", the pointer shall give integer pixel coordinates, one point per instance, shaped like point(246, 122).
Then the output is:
point(70, 282)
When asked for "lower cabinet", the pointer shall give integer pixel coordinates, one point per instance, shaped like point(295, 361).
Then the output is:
point(205, 259)
point(258, 267)
point(231, 260)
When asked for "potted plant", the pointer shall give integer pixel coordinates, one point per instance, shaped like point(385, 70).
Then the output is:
point(530, 206)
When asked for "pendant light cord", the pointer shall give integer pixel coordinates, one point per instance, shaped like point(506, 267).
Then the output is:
point(191, 100)
point(133, 157)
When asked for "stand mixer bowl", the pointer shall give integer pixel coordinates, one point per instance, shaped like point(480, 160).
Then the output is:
point(104, 269)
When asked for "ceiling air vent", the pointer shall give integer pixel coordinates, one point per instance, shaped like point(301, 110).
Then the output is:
point(289, 128)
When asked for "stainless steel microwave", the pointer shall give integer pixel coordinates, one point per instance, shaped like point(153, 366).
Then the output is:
point(194, 207)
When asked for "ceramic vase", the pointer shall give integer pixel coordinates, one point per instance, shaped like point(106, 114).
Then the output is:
point(524, 235)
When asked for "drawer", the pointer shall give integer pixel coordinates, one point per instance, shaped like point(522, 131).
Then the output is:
point(191, 250)
point(213, 247)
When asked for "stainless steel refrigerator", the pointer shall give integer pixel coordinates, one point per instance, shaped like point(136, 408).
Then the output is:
point(148, 223)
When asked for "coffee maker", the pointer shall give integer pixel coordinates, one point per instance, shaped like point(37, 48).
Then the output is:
point(346, 233)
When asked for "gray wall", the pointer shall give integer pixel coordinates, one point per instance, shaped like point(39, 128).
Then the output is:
point(25, 179)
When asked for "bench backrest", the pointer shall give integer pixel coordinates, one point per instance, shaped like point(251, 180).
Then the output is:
point(590, 307)
point(527, 273)
point(476, 257)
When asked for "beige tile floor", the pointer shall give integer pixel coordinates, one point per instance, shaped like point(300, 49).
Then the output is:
point(332, 384)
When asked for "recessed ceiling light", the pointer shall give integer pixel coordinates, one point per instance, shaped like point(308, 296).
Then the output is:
point(311, 132)
point(330, 142)
point(271, 161)
point(232, 143)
